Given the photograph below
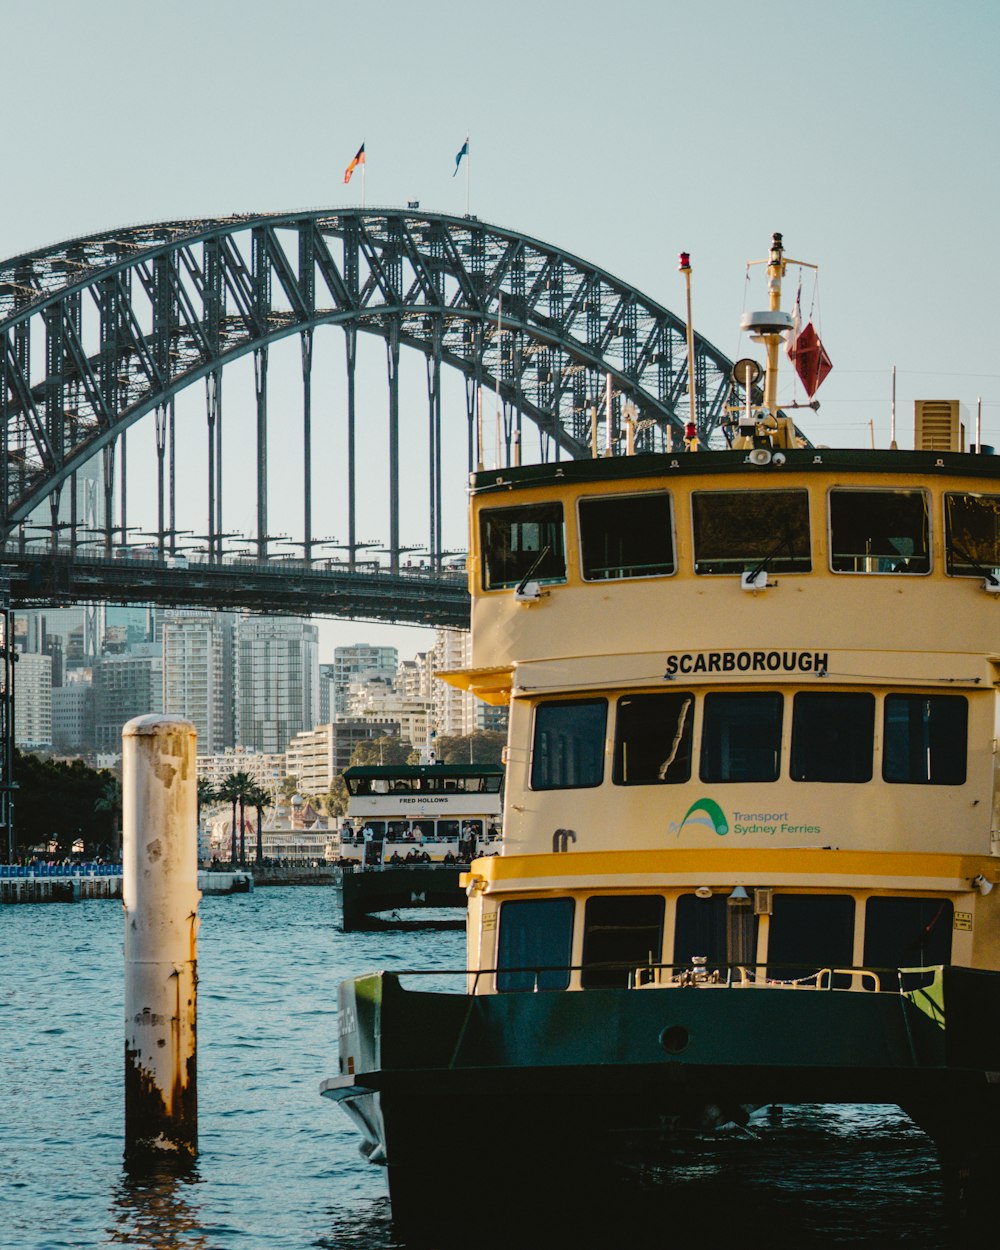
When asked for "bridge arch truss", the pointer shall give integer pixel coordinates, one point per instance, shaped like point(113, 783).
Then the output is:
point(98, 332)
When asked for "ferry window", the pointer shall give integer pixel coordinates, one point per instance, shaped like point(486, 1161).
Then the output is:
point(447, 830)
point(879, 531)
point(653, 739)
point(712, 927)
point(972, 535)
point(833, 737)
point(568, 748)
point(924, 739)
point(620, 933)
point(626, 536)
point(741, 737)
point(740, 531)
point(809, 932)
point(908, 933)
point(535, 944)
point(520, 543)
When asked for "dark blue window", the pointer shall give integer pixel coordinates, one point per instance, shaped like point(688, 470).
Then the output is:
point(925, 739)
point(741, 737)
point(568, 748)
point(536, 942)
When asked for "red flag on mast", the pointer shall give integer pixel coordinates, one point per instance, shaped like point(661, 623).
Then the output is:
point(808, 354)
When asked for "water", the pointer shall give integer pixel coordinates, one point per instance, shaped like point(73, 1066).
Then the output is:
point(279, 1167)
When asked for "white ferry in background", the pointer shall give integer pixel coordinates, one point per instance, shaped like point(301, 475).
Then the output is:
point(450, 812)
point(751, 827)
point(410, 829)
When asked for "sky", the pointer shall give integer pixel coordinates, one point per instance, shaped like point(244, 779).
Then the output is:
point(866, 132)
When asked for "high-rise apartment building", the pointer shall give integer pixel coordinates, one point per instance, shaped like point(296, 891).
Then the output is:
point(326, 693)
point(198, 675)
point(357, 661)
point(457, 712)
point(125, 686)
point(32, 686)
point(277, 681)
point(73, 713)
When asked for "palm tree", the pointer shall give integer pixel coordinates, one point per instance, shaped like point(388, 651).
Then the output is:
point(234, 790)
point(206, 794)
point(110, 800)
point(258, 799)
point(245, 784)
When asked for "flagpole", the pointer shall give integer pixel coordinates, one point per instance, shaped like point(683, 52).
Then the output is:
point(468, 166)
point(364, 171)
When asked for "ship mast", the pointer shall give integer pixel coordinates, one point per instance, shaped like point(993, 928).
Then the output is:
point(772, 341)
point(764, 428)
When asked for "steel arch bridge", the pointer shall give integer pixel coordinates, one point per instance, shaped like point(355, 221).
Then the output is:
point(99, 331)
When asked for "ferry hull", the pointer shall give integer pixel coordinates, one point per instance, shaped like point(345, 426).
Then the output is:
point(590, 1090)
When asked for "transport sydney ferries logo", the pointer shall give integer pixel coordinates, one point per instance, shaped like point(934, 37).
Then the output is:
point(703, 812)
point(708, 814)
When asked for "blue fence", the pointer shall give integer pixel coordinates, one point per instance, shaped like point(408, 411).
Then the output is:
point(60, 870)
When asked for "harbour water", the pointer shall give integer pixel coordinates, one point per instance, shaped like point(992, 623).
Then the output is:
point(279, 1167)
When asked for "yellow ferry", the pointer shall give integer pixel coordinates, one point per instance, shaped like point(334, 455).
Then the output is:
point(751, 819)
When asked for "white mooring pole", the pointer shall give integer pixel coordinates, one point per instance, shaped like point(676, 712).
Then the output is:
point(160, 893)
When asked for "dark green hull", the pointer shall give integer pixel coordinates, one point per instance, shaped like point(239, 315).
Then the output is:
point(407, 889)
point(589, 1088)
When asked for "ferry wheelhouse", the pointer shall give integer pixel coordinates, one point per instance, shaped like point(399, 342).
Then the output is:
point(752, 814)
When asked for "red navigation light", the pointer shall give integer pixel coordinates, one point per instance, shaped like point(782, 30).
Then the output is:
point(685, 261)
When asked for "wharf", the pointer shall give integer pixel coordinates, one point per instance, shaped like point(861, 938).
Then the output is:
point(69, 883)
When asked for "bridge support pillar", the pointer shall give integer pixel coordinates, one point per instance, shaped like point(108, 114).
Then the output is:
point(260, 387)
point(392, 358)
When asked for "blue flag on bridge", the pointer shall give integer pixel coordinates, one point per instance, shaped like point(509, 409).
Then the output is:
point(462, 151)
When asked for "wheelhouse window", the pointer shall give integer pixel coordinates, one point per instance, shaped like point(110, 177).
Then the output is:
point(740, 531)
point(972, 535)
point(523, 543)
point(535, 944)
point(879, 531)
point(810, 932)
point(741, 737)
point(833, 737)
point(653, 739)
point(925, 739)
point(908, 933)
point(620, 934)
point(568, 747)
point(626, 536)
point(720, 930)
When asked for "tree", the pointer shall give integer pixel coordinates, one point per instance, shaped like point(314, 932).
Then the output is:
point(110, 800)
point(234, 790)
point(387, 750)
point(59, 800)
point(485, 746)
point(258, 799)
point(206, 794)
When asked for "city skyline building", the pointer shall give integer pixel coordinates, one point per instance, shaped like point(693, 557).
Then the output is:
point(32, 686)
point(359, 660)
point(125, 686)
point(73, 713)
point(199, 651)
point(277, 681)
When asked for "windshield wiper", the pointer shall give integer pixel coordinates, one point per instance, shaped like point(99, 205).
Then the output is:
point(766, 561)
point(519, 588)
point(953, 548)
